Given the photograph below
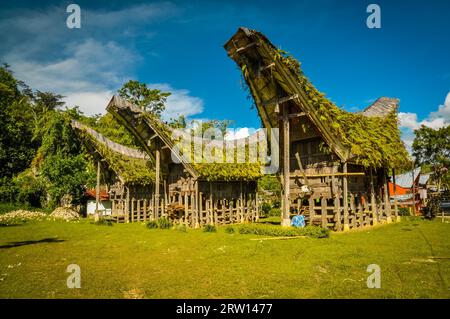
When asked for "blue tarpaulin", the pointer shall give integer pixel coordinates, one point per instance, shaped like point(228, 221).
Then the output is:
point(298, 221)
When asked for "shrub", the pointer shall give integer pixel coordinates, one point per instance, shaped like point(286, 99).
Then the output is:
point(229, 230)
point(403, 211)
point(164, 223)
point(181, 228)
point(209, 228)
point(152, 224)
point(103, 222)
point(278, 231)
point(275, 212)
point(265, 209)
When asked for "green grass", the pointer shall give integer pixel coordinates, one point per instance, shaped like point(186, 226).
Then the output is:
point(129, 260)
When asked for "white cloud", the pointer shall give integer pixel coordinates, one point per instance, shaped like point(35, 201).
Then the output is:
point(90, 65)
point(435, 120)
point(180, 102)
point(235, 134)
point(85, 65)
point(89, 102)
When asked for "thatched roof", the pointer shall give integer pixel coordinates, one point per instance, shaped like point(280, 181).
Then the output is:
point(147, 128)
point(381, 107)
point(370, 138)
point(130, 165)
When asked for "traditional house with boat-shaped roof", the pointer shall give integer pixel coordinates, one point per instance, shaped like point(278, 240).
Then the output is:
point(125, 178)
point(194, 192)
point(334, 163)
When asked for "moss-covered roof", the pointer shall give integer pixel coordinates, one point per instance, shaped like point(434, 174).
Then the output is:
point(130, 165)
point(144, 123)
point(271, 74)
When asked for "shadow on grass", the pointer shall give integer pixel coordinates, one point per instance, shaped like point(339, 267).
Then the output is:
point(31, 242)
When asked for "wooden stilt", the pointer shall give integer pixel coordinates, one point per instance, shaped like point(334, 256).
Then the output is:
point(387, 202)
point(397, 217)
point(157, 179)
point(286, 221)
point(345, 186)
point(97, 194)
point(373, 203)
point(323, 205)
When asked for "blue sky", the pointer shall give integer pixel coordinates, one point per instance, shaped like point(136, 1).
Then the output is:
point(178, 46)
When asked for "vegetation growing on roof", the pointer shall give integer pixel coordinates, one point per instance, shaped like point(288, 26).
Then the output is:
point(373, 141)
point(209, 171)
point(131, 170)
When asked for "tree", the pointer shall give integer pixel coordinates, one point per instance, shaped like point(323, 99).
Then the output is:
point(179, 123)
point(201, 126)
point(151, 100)
point(60, 159)
point(17, 147)
point(44, 102)
point(432, 147)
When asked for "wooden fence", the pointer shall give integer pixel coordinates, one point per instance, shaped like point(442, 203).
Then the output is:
point(187, 209)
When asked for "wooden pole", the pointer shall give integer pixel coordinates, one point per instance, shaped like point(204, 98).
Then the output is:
point(345, 186)
point(286, 221)
point(197, 210)
point(127, 206)
point(414, 190)
point(323, 204)
point(387, 201)
point(157, 177)
point(372, 201)
point(97, 193)
point(397, 217)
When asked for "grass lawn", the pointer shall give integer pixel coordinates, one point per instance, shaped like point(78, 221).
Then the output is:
point(131, 261)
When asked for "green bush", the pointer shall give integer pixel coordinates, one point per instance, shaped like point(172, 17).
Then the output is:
point(265, 209)
point(209, 228)
point(152, 224)
point(103, 222)
point(275, 212)
point(278, 231)
point(229, 230)
point(403, 211)
point(164, 223)
point(181, 227)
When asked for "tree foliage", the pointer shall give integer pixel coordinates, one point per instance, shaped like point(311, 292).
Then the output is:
point(432, 147)
point(150, 100)
point(17, 147)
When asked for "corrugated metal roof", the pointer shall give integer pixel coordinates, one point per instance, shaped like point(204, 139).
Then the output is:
point(423, 179)
point(405, 180)
point(381, 107)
